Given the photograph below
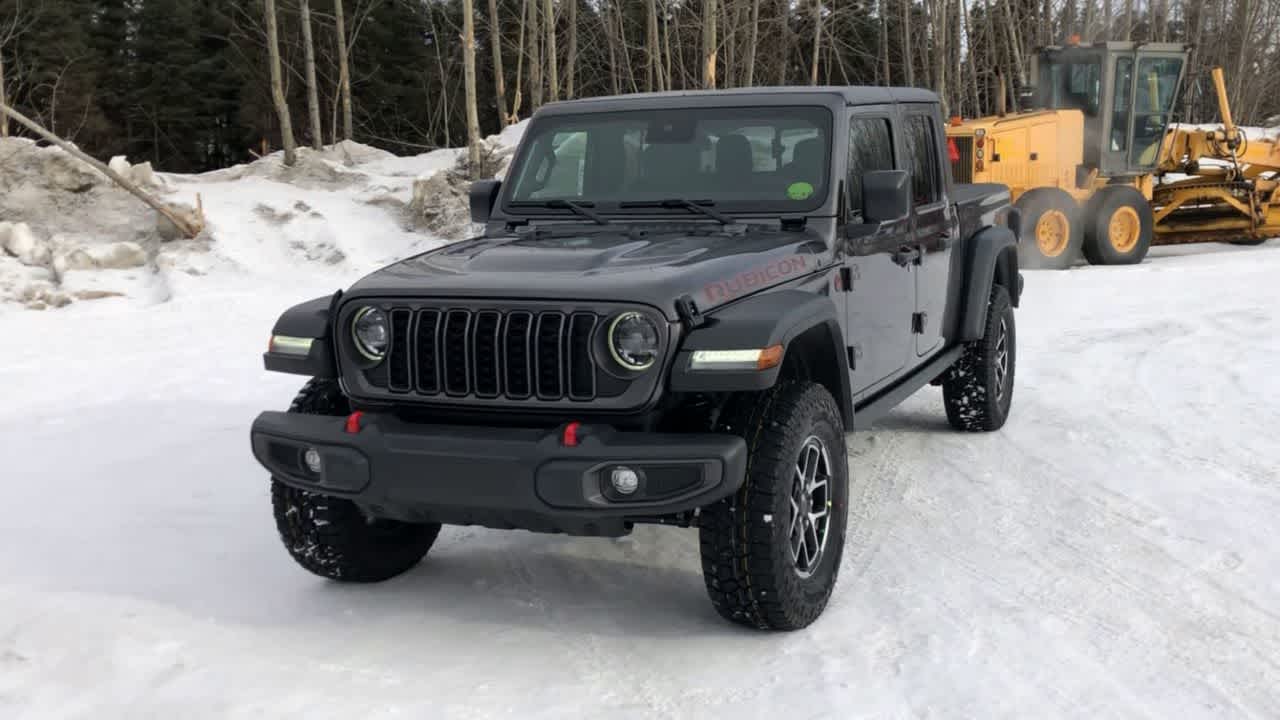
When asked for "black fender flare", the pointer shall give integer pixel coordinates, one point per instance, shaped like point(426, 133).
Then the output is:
point(992, 256)
point(760, 321)
point(311, 319)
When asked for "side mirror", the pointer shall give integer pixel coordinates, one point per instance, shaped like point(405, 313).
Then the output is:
point(484, 193)
point(886, 195)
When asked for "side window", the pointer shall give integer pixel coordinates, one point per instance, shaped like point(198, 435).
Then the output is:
point(556, 167)
point(870, 148)
point(1120, 114)
point(922, 153)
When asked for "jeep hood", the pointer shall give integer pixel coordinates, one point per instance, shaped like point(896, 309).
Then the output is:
point(653, 266)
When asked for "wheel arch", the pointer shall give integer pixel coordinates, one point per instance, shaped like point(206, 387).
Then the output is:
point(992, 259)
point(804, 323)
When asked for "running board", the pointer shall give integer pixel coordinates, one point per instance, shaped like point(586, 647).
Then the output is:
point(875, 408)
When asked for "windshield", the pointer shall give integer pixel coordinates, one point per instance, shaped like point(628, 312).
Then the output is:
point(747, 159)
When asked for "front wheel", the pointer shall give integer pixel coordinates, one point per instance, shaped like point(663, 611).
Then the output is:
point(332, 537)
point(1050, 234)
point(771, 552)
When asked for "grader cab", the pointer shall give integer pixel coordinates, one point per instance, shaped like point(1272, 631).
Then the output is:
point(1087, 163)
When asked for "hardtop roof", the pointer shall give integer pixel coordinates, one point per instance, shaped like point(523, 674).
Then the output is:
point(824, 95)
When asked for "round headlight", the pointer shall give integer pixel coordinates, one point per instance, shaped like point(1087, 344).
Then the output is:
point(371, 333)
point(633, 341)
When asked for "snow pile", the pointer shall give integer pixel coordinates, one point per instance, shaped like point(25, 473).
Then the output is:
point(62, 221)
point(67, 233)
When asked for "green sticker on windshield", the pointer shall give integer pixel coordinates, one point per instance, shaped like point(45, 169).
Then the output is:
point(799, 190)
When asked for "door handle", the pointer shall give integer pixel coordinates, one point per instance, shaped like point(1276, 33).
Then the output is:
point(906, 255)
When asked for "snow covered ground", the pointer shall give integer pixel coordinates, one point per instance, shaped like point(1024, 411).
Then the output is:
point(1113, 552)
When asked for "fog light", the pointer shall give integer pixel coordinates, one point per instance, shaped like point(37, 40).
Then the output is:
point(624, 480)
point(312, 458)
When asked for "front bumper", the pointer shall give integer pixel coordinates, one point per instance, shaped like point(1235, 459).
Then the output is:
point(499, 477)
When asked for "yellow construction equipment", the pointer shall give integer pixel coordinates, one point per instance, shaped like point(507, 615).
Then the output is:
point(1096, 168)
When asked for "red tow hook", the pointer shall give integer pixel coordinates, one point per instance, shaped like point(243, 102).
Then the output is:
point(570, 437)
point(353, 422)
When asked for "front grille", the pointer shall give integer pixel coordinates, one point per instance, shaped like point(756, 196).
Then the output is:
point(489, 354)
point(962, 169)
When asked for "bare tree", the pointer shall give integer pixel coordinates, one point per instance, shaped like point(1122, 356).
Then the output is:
point(313, 93)
point(571, 62)
point(344, 67)
point(277, 85)
point(907, 60)
point(535, 58)
point(469, 69)
point(817, 41)
point(553, 75)
point(499, 84)
point(709, 44)
point(749, 78)
point(653, 53)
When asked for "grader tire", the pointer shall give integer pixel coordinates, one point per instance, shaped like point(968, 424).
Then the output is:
point(1050, 234)
point(1118, 228)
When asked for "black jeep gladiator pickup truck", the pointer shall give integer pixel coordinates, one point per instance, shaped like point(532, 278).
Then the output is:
point(678, 306)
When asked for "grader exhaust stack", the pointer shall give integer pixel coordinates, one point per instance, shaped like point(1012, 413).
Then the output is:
point(1097, 170)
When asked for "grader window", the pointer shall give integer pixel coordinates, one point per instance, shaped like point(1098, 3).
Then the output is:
point(1075, 85)
point(1157, 84)
point(1120, 111)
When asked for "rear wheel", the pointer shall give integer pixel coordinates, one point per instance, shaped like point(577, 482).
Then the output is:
point(1119, 228)
point(1050, 233)
point(332, 537)
point(771, 552)
point(978, 389)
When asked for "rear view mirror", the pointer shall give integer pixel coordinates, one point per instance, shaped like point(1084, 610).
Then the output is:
point(886, 195)
point(484, 193)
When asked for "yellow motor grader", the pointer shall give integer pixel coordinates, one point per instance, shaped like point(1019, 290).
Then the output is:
point(1096, 168)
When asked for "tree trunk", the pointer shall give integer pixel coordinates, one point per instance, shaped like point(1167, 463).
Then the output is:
point(553, 73)
point(784, 40)
point(749, 79)
point(1107, 20)
point(882, 9)
point(189, 223)
point(907, 61)
point(516, 99)
point(666, 46)
point(499, 83)
point(277, 86)
point(535, 57)
point(709, 44)
point(653, 67)
point(1128, 19)
point(4, 101)
point(571, 63)
point(444, 90)
point(469, 77)
point(817, 41)
point(313, 92)
point(344, 68)
point(605, 17)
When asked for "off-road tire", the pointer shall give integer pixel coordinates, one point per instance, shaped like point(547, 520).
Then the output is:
point(972, 389)
point(330, 536)
point(747, 562)
point(1249, 242)
point(1099, 248)
point(1036, 206)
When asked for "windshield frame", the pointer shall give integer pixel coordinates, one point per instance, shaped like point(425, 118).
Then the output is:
point(565, 113)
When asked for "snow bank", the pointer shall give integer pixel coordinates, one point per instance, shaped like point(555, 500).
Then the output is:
point(67, 233)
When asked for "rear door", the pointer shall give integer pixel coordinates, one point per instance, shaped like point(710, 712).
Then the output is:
point(881, 293)
point(936, 225)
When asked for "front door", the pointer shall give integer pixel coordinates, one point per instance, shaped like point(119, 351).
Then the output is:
point(936, 227)
point(880, 293)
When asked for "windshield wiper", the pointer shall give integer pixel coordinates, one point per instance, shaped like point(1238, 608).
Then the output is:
point(699, 206)
point(578, 208)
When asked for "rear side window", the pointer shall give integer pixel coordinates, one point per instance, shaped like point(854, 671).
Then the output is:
point(922, 152)
point(870, 149)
